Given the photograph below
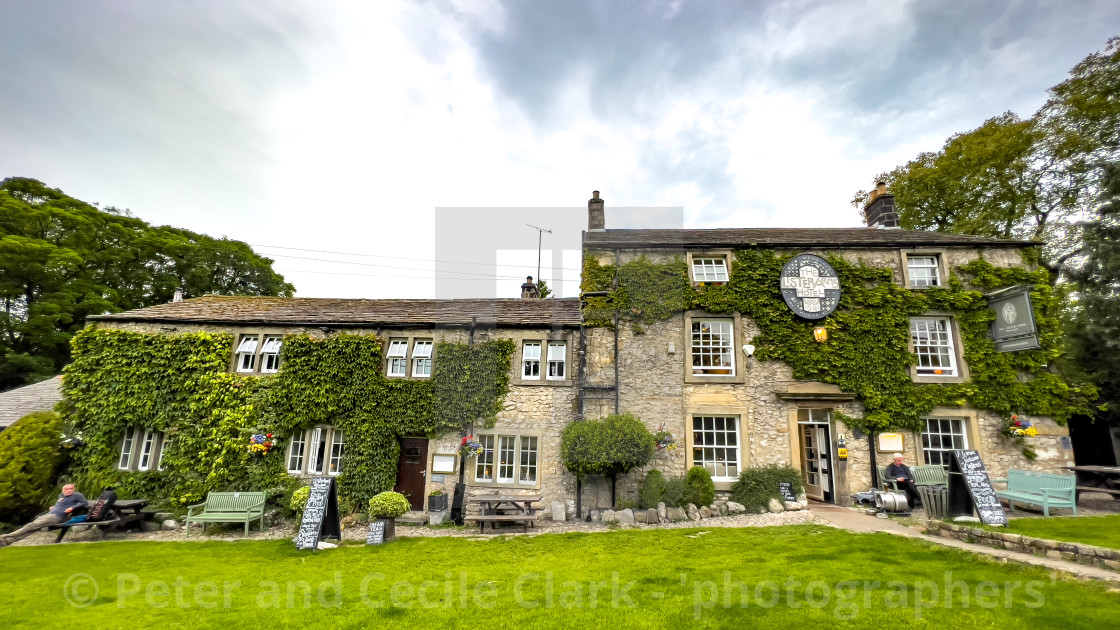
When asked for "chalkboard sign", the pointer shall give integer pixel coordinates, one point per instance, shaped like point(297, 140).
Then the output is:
point(320, 515)
point(786, 488)
point(376, 534)
point(970, 488)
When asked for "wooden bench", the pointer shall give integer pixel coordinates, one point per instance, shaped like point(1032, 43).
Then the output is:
point(228, 507)
point(931, 475)
point(1045, 490)
point(123, 512)
point(525, 519)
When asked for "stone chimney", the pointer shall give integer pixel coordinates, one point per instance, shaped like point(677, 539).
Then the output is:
point(529, 289)
point(880, 211)
point(178, 295)
point(596, 216)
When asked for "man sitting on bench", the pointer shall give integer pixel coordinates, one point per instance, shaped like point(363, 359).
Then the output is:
point(67, 501)
point(905, 477)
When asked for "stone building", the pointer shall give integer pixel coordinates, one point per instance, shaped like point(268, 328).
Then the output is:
point(694, 372)
point(689, 372)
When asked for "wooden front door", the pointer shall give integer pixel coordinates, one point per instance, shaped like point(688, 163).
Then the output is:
point(411, 471)
point(814, 461)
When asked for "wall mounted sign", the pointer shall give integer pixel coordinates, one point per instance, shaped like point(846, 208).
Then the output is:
point(810, 286)
point(890, 442)
point(443, 463)
point(1014, 328)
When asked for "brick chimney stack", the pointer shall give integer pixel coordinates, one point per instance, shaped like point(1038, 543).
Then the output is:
point(596, 216)
point(529, 289)
point(880, 211)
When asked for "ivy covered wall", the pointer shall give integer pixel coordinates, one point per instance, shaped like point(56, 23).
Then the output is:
point(867, 352)
point(180, 384)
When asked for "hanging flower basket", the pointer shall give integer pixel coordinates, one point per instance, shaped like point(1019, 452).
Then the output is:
point(261, 443)
point(665, 440)
point(470, 448)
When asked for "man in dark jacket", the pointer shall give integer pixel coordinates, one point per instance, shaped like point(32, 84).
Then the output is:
point(905, 477)
point(67, 501)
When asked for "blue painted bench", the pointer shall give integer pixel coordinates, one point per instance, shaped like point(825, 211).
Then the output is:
point(1045, 490)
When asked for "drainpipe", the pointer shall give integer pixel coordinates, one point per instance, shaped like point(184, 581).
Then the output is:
point(614, 287)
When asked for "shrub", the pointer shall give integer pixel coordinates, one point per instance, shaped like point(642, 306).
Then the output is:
point(299, 498)
point(30, 455)
point(653, 490)
point(674, 491)
point(388, 505)
point(698, 487)
point(612, 446)
point(756, 486)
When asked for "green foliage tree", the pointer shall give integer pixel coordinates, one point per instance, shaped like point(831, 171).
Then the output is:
point(30, 456)
point(699, 489)
point(609, 447)
point(1095, 334)
point(1034, 179)
point(62, 259)
point(542, 289)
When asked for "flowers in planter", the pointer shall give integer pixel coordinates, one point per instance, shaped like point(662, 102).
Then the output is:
point(665, 440)
point(1018, 426)
point(388, 505)
point(261, 444)
point(470, 448)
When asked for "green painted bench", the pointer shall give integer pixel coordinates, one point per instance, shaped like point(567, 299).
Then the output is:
point(1045, 490)
point(228, 507)
point(931, 475)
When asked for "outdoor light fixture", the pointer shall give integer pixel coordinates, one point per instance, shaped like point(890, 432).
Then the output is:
point(820, 333)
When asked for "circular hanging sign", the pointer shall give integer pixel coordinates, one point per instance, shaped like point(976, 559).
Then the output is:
point(810, 286)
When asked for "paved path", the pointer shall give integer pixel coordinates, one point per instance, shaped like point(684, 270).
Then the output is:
point(860, 522)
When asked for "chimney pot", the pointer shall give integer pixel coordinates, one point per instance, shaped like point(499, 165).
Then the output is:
point(529, 289)
point(596, 215)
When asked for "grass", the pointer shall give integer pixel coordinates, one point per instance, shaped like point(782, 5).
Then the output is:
point(803, 576)
point(1102, 531)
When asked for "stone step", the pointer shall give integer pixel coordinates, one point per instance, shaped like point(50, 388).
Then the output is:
point(418, 518)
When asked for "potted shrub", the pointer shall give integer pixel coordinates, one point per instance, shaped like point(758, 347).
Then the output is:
point(386, 507)
point(437, 501)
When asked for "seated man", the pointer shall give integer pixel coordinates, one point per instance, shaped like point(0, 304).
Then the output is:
point(905, 477)
point(67, 501)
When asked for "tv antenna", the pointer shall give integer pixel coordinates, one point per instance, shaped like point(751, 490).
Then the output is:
point(540, 239)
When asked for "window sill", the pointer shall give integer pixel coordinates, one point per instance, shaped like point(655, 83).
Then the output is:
point(929, 378)
point(718, 380)
point(544, 383)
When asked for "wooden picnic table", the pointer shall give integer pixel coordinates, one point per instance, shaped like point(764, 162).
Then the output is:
point(510, 508)
point(121, 514)
point(1097, 479)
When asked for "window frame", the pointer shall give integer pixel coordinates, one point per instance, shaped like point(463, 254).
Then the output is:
point(690, 258)
point(739, 366)
point(242, 353)
point(922, 375)
point(738, 446)
point(924, 437)
point(147, 451)
point(329, 436)
point(397, 358)
point(694, 346)
point(128, 446)
point(251, 348)
point(524, 456)
point(418, 357)
point(132, 449)
point(562, 361)
point(526, 361)
point(273, 356)
point(939, 261)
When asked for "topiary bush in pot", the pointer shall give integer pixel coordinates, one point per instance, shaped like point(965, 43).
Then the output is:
point(386, 507)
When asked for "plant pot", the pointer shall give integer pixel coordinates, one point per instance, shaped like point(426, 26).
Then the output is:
point(437, 502)
point(390, 528)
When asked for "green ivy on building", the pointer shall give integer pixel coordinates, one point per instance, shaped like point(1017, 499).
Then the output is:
point(867, 352)
point(180, 385)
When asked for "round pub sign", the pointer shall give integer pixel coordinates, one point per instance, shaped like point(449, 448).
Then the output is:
point(810, 286)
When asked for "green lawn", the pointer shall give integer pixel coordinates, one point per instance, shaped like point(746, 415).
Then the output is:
point(804, 576)
point(1103, 531)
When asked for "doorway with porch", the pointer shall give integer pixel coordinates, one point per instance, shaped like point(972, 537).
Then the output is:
point(814, 440)
point(412, 471)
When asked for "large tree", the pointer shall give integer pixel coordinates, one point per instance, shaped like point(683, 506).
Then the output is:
point(1095, 334)
point(62, 259)
point(1034, 179)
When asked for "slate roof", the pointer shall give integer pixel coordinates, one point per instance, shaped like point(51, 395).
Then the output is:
point(838, 238)
point(221, 309)
point(17, 403)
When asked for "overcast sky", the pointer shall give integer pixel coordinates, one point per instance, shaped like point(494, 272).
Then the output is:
point(343, 127)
